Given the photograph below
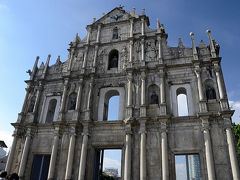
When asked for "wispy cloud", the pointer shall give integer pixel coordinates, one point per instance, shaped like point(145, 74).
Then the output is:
point(235, 105)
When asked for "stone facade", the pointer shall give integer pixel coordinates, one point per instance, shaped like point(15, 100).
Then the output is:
point(63, 113)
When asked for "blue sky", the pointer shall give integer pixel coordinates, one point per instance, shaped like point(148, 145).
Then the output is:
point(37, 28)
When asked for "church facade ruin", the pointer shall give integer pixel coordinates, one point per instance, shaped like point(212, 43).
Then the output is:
point(63, 127)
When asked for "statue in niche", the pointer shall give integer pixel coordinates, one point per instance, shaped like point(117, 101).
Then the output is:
point(154, 98)
point(114, 62)
point(115, 33)
point(210, 93)
point(73, 103)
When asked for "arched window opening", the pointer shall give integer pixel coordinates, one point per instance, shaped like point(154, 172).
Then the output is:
point(72, 101)
point(31, 104)
point(115, 33)
point(111, 106)
point(153, 96)
point(210, 92)
point(182, 103)
point(51, 111)
point(113, 59)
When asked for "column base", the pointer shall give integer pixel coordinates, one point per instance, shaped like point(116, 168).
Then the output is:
point(224, 104)
point(163, 109)
point(202, 107)
point(143, 111)
point(129, 112)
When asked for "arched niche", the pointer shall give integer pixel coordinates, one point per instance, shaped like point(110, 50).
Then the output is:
point(210, 90)
point(153, 94)
point(113, 59)
point(72, 100)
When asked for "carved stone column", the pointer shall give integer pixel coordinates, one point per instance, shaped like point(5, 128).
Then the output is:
point(208, 150)
point(143, 173)
point(23, 162)
point(130, 51)
point(127, 158)
point(24, 107)
point(213, 52)
point(143, 26)
point(142, 51)
point(95, 57)
point(143, 112)
point(131, 28)
point(164, 148)
point(82, 166)
point(79, 94)
point(129, 97)
point(163, 108)
point(63, 100)
point(70, 154)
point(88, 107)
point(232, 150)
point(98, 33)
point(39, 92)
point(160, 51)
point(85, 57)
point(223, 100)
point(71, 59)
point(52, 164)
point(195, 54)
point(202, 103)
point(11, 153)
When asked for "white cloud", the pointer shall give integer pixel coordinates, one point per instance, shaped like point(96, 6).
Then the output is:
point(181, 173)
point(6, 136)
point(112, 163)
point(235, 105)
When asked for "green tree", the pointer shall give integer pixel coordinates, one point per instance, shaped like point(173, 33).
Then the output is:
point(236, 131)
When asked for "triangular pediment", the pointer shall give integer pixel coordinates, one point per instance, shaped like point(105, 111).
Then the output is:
point(116, 15)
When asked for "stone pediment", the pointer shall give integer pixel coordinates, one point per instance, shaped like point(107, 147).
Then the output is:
point(116, 15)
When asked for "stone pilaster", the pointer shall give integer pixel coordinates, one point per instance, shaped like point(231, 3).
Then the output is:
point(63, 100)
point(129, 97)
point(143, 111)
point(164, 148)
point(53, 159)
point(202, 102)
point(143, 173)
point(85, 58)
point(142, 51)
point(163, 107)
point(127, 158)
point(208, 150)
point(83, 157)
point(11, 153)
point(98, 33)
point(88, 107)
point(39, 93)
point(143, 26)
point(70, 154)
point(23, 161)
point(232, 150)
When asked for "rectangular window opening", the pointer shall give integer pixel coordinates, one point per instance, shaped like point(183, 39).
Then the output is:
point(40, 167)
point(187, 167)
point(107, 164)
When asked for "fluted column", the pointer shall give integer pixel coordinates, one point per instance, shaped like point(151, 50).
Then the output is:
point(129, 101)
point(79, 94)
point(130, 50)
point(232, 154)
point(52, 164)
point(70, 154)
point(127, 158)
point(63, 100)
point(142, 50)
point(23, 162)
point(219, 81)
point(208, 151)
point(11, 153)
point(164, 148)
point(143, 174)
point(199, 83)
point(83, 157)
point(39, 91)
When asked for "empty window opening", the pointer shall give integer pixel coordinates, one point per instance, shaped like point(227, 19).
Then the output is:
point(187, 167)
point(113, 59)
point(115, 33)
point(40, 167)
point(111, 106)
point(107, 164)
point(72, 101)
point(182, 102)
point(51, 110)
point(210, 92)
point(31, 104)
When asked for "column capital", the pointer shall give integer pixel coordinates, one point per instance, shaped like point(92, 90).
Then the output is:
point(142, 128)
point(205, 125)
point(163, 126)
point(216, 67)
point(73, 130)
